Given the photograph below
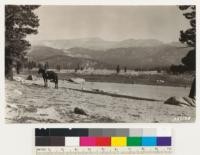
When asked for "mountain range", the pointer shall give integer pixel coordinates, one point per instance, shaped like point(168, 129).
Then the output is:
point(98, 53)
point(99, 44)
point(54, 57)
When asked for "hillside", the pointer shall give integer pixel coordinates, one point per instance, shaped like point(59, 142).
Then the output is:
point(98, 53)
point(42, 54)
point(134, 57)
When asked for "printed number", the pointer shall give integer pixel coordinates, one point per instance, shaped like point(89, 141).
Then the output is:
point(182, 118)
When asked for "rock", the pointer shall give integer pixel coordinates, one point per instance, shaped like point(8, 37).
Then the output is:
point(17, 92)
point(190, 101)
point(79, 111)
point(12, 106)
point(19, 79)
point(31, 77)
point(31, 108)
point(180, 101)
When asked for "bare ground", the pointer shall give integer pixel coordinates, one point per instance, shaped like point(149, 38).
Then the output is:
point(30, 102)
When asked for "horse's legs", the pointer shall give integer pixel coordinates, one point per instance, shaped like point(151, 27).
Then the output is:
point(44, 82)
point(56, 82)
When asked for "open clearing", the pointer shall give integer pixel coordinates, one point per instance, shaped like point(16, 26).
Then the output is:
point(30, 102)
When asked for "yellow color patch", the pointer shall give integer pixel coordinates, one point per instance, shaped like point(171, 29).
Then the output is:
point(118, 141)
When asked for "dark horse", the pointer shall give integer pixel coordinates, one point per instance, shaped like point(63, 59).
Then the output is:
point(52, 76)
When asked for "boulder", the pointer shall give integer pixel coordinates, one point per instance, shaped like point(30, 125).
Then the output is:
point(180, 101)
point(19, 79)
point(79, 111)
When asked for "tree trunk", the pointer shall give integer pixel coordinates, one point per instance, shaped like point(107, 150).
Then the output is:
point(193, 89)
point(9, 71)
point(18, 67)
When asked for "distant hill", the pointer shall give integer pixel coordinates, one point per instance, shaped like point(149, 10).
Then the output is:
point(135, 57)
point(98, 43)
point(98, 53)
point(42, 54)
point(39, 53)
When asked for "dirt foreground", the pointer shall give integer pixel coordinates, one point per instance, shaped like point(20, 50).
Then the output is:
point(29, 102)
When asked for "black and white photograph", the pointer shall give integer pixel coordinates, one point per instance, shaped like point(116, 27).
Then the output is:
point(100, 64)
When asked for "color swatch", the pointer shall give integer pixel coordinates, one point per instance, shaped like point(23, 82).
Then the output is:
point(118, 141)
point(109, 137)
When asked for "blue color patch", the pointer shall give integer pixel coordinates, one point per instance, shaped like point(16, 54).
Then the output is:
point(149, 141)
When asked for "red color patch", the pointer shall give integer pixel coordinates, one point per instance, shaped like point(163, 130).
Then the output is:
point(103, 141)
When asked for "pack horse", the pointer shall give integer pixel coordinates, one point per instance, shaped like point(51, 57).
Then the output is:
point(49, 75)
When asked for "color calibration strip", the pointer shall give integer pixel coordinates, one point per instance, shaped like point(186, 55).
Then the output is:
point(148, 137)
point(62, 141)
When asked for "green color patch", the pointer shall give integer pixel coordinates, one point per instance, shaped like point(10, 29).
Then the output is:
point(134, 141)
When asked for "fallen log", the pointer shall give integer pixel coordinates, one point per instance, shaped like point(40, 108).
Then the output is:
point(101, 92)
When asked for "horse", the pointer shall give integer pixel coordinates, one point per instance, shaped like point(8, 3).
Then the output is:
point(52, 76)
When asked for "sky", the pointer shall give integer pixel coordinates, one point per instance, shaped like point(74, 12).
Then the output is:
point(113, 23)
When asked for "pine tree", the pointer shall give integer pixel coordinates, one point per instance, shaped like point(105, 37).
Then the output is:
point(20, 21)
point(125, 69)
point(188, 37)
point(118, 69)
